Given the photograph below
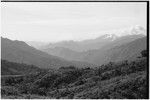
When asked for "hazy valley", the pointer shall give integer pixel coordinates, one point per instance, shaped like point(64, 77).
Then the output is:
point(108, 66)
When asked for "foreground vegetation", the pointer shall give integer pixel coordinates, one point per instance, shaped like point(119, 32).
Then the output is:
point(122, 80)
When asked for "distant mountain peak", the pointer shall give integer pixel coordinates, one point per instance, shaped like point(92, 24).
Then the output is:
point(134, 30)
point(137, 30)
point(110, 36)
point(113, 35)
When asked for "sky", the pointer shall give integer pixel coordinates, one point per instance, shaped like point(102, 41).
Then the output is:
point(58, 21)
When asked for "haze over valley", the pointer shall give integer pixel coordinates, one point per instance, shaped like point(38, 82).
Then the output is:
point(74, 50)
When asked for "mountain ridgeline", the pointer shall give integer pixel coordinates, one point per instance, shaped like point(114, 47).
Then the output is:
point(103, 41)
point(20, 52)
point(106, 40)
point(108, 47)
point(123, 48)
point(108, 67)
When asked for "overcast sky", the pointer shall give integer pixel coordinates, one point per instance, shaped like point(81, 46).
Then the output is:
point(55, 21)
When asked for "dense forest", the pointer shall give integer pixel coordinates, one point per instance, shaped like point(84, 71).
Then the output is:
point(121, 80)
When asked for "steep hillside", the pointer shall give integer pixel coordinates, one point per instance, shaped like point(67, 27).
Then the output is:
point(18, 51)
point(129, 51)
point(12, 68)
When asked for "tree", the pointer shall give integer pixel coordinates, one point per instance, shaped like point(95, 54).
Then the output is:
point(144, 53)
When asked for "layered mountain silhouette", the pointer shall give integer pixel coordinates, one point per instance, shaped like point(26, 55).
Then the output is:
point(20, 52)
point(129, 51)
point(106, 48)
point(124, 48)
point(106, 40)
point(110, 66)
point(125, 45)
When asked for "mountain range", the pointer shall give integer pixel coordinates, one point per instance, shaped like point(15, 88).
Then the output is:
point(20, 52)
point(110, 52)
point(115, 39)
point(129, 51)
point(87, 53)
point(106, 48)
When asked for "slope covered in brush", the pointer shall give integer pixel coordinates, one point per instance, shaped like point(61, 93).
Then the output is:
point(12, 68)
point(121, 80)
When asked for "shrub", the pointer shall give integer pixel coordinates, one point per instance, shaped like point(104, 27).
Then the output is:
point(144, 53)
point(9, 90)
point(13, 80)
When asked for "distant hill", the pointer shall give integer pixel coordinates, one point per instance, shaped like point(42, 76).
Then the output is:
point(12, 68)
point(65, 53)
point(107, 40)
point(19, 51)
point(98, 43)
point(36, 44)
point(121, 49)
point(129, 51)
